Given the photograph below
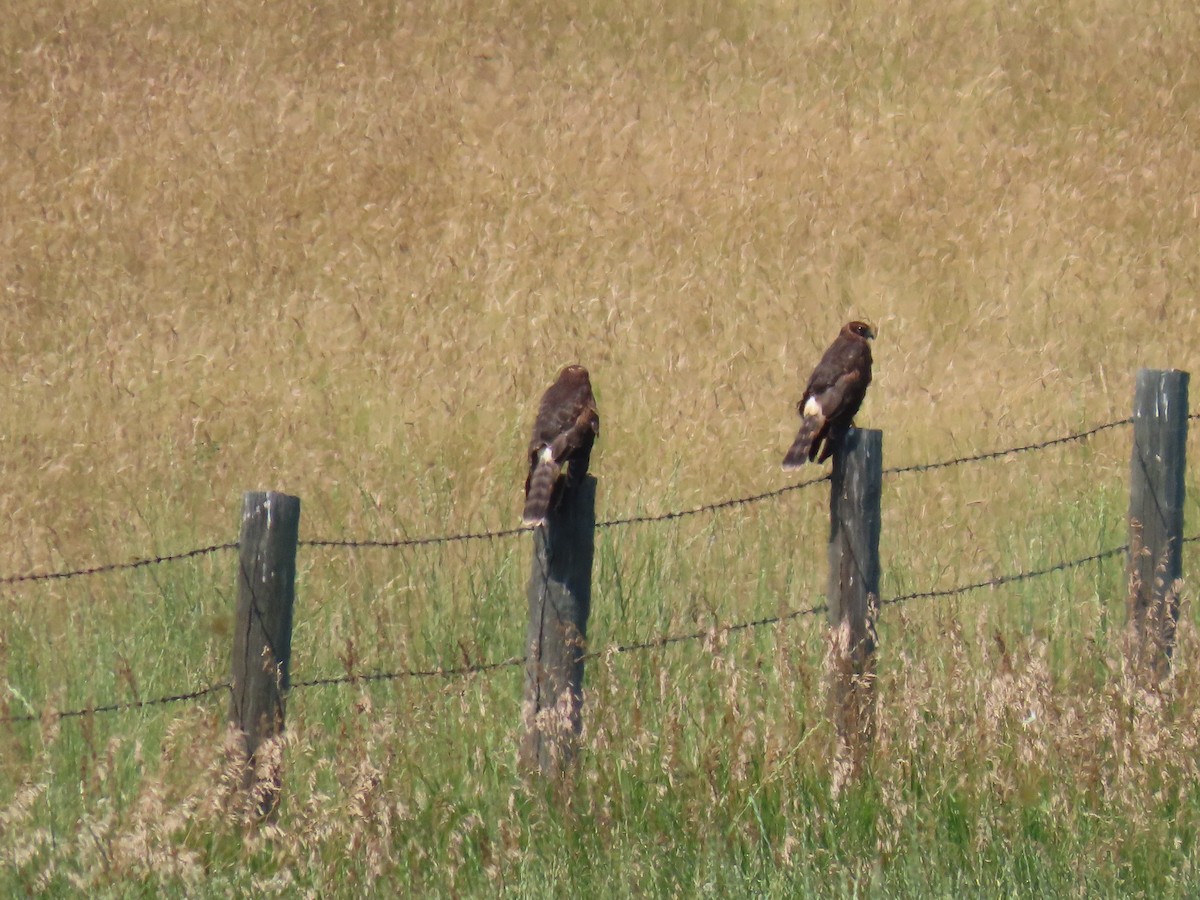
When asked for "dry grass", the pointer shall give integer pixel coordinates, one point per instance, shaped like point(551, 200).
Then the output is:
point(339, 251)
point(995, 770)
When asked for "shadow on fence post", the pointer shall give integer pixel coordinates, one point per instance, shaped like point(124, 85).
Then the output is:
point(854, 515)
point(560, 598)
point(1156, 494)
point(262, 638)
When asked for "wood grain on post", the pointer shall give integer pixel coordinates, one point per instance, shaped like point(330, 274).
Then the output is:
point(1156, 495)
point(854, 513)
point(560, 599)
point(262, 640)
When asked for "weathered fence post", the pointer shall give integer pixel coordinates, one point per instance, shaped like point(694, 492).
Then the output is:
point(1156, 493)
point(854, 514)
point(560, 598)
point(262, 639)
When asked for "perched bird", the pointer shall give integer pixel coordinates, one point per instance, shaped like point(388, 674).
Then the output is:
point(566, 427)
point(834, 393)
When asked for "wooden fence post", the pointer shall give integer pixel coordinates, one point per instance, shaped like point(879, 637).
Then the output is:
point(854, 514)
point(262, 638)
point(1156, 494)
point(560, 598)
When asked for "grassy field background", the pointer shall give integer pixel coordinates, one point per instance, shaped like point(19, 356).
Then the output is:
point(340, 249)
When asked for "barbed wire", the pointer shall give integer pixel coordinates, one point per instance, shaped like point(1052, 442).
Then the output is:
point(399, 543)
point(1007, 579)
point(667, 640)
point(1010, 451)
point(121, 706)
point(439, 672)
point(116, 567)
point(417, 542)
point(655, 643)
point(607, 523)
point(707, 633)
point(714, 507)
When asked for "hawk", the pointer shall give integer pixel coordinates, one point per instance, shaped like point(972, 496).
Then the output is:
point(834, 393)
point(566, 427)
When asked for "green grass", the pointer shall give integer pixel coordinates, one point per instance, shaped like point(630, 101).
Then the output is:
point(1016, 757)
point(339, 251)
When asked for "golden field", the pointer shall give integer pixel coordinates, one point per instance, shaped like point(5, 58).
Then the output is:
point(339, 250)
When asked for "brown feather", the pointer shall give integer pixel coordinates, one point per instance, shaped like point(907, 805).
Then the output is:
point(801, 449)
point(539, 489)
point(566, 427)
point(834, 393)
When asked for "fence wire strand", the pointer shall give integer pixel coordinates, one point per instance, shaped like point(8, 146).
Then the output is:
point(631, 647)
point(714, 507)
point(122, 706)
point(717, 506)
point(651, 644)
point(439, 672)
point(1000, 580)
point(417, 542)
point(1010, 451)
point(116, 567)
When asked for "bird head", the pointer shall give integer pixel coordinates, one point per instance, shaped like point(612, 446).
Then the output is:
point(862, 329)
point(574, 372)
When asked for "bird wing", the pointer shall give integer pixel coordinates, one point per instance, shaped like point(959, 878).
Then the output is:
point(839, 382)
point(567, 421)
point(582, 432)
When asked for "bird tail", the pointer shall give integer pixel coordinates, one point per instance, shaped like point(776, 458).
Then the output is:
point(802, 448)
point(539, 489)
